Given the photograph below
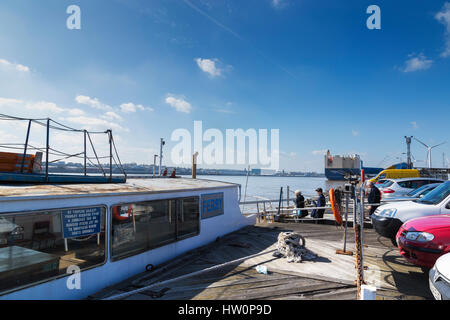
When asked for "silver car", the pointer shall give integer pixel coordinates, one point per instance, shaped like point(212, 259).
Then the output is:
point(400, 187)
point(439, 278)
point(413, 195)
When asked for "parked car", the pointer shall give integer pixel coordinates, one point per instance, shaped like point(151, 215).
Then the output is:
point(389, 217)
point(413, 195)
point(439, 278)
point(396, 174)
point(423, 240)
point(400, 187)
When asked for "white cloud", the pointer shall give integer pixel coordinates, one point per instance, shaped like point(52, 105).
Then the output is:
point(319, 152)
point(16, 66)
point(209, 66)
point(418, 62)
point(278, 3)
point(92, 123)
point(75, 112)
point(111, 115)
point(179, 104)
point(355, 133)
point(9, 102)
point(443, 17)
point(92, 102)
point(131, 107)
point(40, 107)
point(414, 125)
point(44, 106)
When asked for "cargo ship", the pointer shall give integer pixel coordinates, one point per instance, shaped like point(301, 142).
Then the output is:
point(337, 167)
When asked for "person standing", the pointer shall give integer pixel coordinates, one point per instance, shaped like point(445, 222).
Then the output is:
point(374, 197)
point(321, 202)
point(300, 203)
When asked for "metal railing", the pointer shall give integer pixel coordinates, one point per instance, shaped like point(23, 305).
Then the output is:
point(49, 123)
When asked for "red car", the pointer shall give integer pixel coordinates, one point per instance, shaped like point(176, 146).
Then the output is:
point(423, 240)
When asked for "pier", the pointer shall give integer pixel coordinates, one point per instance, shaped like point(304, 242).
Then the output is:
point(330, 276)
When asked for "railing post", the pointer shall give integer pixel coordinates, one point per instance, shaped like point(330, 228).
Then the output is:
point(85, 169)
point(26, 146)
point(287, 194)
point(47, 149)
point(110, 155)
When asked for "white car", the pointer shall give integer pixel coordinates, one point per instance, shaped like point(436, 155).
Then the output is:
point(415, 194)
point(400, 187)
point(388, 217)
point(439, 278)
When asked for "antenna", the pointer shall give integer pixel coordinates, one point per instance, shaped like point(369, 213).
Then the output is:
point(429, 150)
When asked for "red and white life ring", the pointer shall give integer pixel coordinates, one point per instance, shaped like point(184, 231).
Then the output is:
point(122, 217)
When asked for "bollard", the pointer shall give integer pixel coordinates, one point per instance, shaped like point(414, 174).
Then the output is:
point(368, 292)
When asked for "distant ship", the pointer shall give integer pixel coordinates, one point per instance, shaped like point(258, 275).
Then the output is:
point(337, 167)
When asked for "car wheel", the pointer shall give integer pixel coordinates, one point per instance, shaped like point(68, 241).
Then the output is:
point(394, 242)
point(425, 270)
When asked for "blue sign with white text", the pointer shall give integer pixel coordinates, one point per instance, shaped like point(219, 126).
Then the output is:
point(80, 222)
point(212, 205)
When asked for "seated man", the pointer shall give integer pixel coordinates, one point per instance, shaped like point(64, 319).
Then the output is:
point(300, 203)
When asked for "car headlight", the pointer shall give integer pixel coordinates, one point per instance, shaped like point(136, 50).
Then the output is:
point(386, 213)
point(419, 236)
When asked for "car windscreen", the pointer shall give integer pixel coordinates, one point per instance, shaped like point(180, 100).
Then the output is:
point(437, 195)
point(388, 183)
point(418, 191)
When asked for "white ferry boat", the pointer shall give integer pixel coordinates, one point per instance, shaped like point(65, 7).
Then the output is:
point(108, 232)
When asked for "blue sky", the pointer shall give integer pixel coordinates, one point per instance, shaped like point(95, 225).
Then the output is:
point(309, 68)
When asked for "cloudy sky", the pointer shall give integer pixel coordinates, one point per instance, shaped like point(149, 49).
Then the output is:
point(309, 68)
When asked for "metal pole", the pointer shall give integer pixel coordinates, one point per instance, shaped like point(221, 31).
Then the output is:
point(346, 221)
point(46, 149)
point(287, 196)
point(26, 146)
point(110, 155)
point(154, 164)
point(357, 230)
point(408, 151)
point(279, 201)
point(85, 154)
point(194, 165)
point(160, 154)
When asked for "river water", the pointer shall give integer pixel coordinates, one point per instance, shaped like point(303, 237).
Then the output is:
point(269, 186)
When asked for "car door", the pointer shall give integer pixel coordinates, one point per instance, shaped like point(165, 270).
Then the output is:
point(445, 209)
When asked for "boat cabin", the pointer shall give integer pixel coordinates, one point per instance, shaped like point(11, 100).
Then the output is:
point(67, 241)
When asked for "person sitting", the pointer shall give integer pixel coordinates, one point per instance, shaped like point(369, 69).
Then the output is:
point(321, 202)
point(300, 203)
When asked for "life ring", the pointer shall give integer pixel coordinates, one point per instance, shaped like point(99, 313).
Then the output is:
point(117, 216)
point(335, 207)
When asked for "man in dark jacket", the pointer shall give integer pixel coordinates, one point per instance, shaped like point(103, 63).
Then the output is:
point(300, 203)
point(321, 202)
point(374, 197)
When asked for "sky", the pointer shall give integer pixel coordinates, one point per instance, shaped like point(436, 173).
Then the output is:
point(311, 69)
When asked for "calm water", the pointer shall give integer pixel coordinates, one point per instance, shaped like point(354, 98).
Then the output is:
point(269, 187)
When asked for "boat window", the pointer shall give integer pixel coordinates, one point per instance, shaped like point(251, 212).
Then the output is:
point(437, 195)
point(139, 227)
point(39, 246)
point(188, 219)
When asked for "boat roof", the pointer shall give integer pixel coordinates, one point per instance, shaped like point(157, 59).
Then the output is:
point(132, 186)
